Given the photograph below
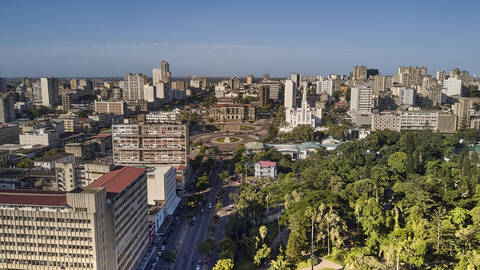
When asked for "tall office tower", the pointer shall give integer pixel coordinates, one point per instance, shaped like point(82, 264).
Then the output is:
point(133, 86)
point(290, 94)
point(85, 84)
point(204, 83)
point(87, 228)
point(74, 84)
point(3, 85)
point(149, 93)
point(151, 144)
point(162, 91)
point(266, 77)
point(441, 76)
point(7, 108)
point(263, 95)
point(452, 87)
point(249, 79)
point(454, 73)
point(407, 96)
point(161, 75)
point(37, 92)
point(273, 87)
point(236, 83)
point(325, 86)
point(371, 72)
point(359, 73)
point(49, 91)
point(295, 78)
point(26, 81)
point(361, 99)
point(465, 77)
point(66, 102)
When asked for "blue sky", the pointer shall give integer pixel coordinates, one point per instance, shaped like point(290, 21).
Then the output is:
point(235, 38)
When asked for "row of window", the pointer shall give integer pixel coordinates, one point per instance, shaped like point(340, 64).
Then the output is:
point(46, 263)
point(43, 245)
point(44, 219)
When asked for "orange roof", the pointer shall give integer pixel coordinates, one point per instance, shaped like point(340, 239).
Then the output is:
point(116, 181)
point(103, 135)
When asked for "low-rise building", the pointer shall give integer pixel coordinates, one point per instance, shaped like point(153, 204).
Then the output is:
point(82, 151)
point(266, 169)
point(41, 136)
point(232, 112)
point(48, 162)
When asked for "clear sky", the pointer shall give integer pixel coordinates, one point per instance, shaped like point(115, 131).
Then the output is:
point(235, 38)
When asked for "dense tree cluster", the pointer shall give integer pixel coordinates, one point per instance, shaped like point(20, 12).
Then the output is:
point(407, 201)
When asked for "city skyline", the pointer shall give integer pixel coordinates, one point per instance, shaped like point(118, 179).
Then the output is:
point(234, 39)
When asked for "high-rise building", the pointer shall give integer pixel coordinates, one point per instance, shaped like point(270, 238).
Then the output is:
point(249, 79)
point(87, 228)
point(204, 83)
point(114, 107)
point(49, 92)
point(66, 100)
point(359, 73)
point(295, 78)
point(161, 75)
point(3, 85)
point(452, 87)
point(361, 99)
point(273, 87)
point(266, 77)
point(290, 94)
point(74, 84)
point(441, 76)
point(325, 86)
point(149, 93)
point(85, 84)
point(151, 144)
point(26, 81)
point(236, 83)
point(263, 95)
point(7, 108)
point(37, 92)
point(371, 72)
point(133, 86)
point(407, 96)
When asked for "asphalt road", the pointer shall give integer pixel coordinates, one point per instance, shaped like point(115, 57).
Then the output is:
point(188, 241)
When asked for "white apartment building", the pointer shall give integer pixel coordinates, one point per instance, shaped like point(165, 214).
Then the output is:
point(361, 99)
point(266, 169)
point(406, 121)
point(49, 91)
point(452, 87)
point(149, 93)
point(174, 115)
point(133, 86)
point(407, 96)
point(290, 94)
point(325, 86)
point(41, 136)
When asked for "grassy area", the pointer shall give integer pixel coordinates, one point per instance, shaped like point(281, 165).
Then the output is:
point(220, 139)
point(211, 128)
point(305, 264)
point(247, 128)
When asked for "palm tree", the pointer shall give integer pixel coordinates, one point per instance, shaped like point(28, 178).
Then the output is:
point(263, 232)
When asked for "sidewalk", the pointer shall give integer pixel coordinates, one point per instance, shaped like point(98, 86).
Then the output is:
point(325, 264)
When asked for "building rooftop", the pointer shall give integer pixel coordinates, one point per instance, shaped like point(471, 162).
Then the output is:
point(103, 135)
point(116, 181)
point(33, 197)
point(266, 164)
point(53, 157)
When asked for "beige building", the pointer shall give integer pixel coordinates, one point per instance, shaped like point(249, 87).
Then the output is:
point(82, 151)
point(114, 107)
point(464, 110)
point(9, 134)
point(385, 120)
point(87, 228)
point(151, 144)
point(232, 112)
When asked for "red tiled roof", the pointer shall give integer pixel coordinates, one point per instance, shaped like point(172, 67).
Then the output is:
point(33, 197)
point(103, 135)
point(265, 163)
point(116, 181)
point(181, 168)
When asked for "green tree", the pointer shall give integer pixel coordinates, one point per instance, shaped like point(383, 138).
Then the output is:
point(263, 232)
point(226, 248)
point(262, 254)
point(224, 264)
point(397, 162)
point(169, 257)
